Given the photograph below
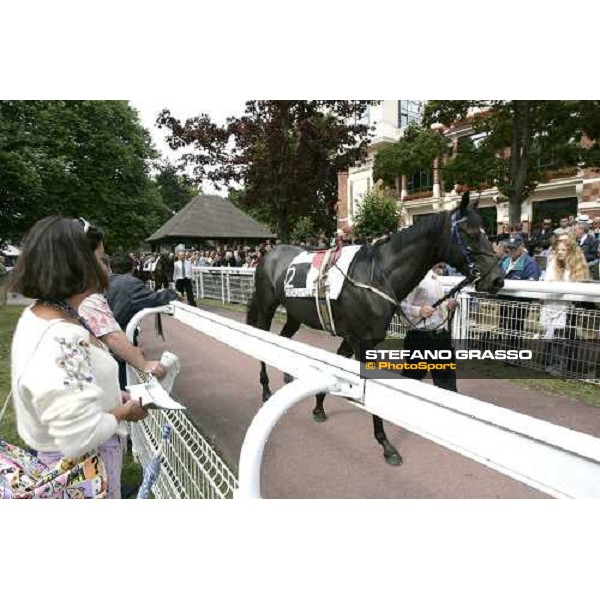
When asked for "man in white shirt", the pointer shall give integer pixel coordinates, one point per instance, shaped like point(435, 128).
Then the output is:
point(430, 326)
point(182, 276)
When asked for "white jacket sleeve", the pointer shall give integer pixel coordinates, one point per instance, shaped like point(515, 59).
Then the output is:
point(62, 389)
point(408, 306)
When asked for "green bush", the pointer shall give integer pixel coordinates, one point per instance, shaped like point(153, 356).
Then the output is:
point(376, 215)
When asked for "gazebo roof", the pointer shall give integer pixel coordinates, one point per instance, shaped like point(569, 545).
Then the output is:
point(211, 217)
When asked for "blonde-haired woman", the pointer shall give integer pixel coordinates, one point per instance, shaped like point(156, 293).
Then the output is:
point(565, 263)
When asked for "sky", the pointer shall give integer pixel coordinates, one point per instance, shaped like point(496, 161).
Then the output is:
point(218, 110)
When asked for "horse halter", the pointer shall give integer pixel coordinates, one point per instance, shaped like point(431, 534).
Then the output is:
point(474, 272)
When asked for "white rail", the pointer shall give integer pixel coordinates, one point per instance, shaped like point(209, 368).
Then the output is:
point(513, 319)
point(550, 458)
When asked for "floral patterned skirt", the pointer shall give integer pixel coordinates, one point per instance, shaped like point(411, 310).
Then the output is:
point(111, 453)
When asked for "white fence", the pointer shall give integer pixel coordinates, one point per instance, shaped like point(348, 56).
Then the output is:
point(521, 318)
point(191, 468)
point(553, 459)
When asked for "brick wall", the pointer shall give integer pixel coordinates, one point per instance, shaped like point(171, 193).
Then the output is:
point(342, 205)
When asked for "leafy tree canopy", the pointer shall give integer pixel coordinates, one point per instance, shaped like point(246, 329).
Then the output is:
point(286, 153)
point(520, 139)
point(304, 230)
point(377, 215)
point(77, 158)
point(175, 187)
point(414, 151)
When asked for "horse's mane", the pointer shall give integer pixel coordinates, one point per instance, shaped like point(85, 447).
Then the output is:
point(426, 225)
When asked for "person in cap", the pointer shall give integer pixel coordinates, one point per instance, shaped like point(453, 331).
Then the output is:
point(585, 240)
point(518, 264)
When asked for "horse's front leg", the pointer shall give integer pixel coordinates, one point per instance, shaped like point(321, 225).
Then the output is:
point(318, 411)
point(391, 455)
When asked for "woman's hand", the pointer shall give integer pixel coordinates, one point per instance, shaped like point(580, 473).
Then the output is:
point(156, 368)
point(130, 410)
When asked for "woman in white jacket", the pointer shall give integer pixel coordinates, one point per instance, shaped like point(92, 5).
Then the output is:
point(565, 263)
point(65, 382)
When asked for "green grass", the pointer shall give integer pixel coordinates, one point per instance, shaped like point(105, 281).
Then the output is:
point(9, 315)
point(578, 391)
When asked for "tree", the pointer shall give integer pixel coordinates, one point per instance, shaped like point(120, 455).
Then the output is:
point(304, 230)
point(414, 151)
point(376, 215)
point(519, 137)
point(287, 155)
point(80, 158)
point(176, 188)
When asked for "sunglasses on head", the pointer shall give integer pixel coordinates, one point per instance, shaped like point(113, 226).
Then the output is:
point(85, 224)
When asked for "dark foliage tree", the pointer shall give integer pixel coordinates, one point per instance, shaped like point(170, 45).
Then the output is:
point(176, 188)
point(286, 153)
point(78, 158)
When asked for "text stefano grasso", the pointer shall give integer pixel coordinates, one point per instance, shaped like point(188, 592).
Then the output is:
point(499, 354)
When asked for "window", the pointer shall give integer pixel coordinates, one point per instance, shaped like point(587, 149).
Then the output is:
point(420, 181)
point(409, 111)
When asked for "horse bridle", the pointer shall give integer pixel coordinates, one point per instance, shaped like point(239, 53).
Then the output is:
point(473, 271)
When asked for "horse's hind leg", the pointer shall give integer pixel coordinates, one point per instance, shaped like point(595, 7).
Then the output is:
point(289, 329)
point(319, 415)
point(260, 314)
point(265, 324)
point(264, 381)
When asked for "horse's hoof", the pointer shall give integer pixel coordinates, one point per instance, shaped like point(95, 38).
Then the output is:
point(319, 416)
point(287, 378)
point(393, 459)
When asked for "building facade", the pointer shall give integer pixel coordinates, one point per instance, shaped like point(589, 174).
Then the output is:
point(565, 191)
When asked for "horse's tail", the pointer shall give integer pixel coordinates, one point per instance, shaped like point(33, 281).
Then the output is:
point(253, 310)
point(258, 299)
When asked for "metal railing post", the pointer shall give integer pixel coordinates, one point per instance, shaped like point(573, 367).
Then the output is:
point(264, 422)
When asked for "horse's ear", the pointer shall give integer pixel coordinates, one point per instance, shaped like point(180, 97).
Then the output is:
point(464, 203)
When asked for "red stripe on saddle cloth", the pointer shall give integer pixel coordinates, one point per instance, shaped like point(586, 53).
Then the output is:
point(320, 255)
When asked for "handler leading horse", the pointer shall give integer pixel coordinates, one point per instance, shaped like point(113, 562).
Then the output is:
point(379, 277)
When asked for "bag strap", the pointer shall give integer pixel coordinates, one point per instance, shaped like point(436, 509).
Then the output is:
point(10, 393)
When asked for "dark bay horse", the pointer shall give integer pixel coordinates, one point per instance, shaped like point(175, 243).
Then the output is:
point(394, 266)
point(163, 272)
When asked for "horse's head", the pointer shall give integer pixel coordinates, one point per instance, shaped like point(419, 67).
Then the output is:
point(470, 250)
